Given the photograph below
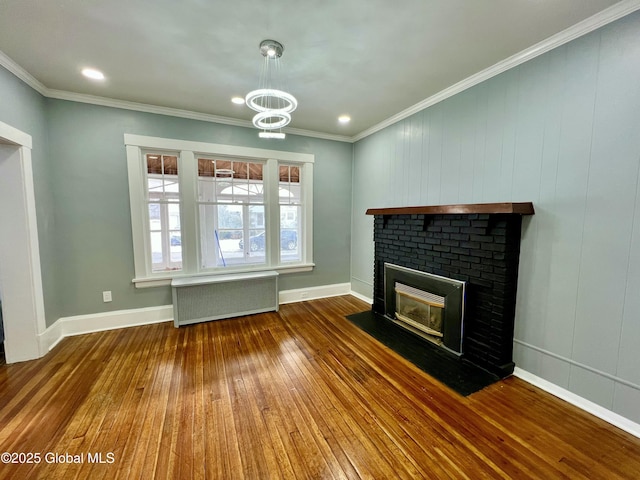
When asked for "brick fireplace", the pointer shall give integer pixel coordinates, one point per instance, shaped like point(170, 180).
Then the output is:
point(478, 244)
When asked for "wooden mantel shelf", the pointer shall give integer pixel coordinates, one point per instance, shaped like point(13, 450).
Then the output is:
point(521, 208)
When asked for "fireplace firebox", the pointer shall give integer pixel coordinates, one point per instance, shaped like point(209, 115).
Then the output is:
point(429, 305)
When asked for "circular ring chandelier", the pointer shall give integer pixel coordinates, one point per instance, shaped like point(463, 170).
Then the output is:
point(261, 100)
point(265, 120)
point(273, 104)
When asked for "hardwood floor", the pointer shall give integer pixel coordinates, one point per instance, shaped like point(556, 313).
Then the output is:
point(297, 394)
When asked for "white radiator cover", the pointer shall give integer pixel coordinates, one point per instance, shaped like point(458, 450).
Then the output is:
point(200, 299)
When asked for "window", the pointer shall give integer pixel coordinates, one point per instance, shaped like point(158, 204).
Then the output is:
point(202, 209)
point(163, 203)
point(290, 200)
point(231, 212)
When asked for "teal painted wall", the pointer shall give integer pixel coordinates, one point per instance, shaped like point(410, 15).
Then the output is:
point(91, 197)
point(562, 131)
point(25, 109)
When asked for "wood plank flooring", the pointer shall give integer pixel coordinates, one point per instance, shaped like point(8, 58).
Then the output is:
point(301, 393)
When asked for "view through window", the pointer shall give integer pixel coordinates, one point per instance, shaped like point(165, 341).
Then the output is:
point(290, 200)
point(231, 212)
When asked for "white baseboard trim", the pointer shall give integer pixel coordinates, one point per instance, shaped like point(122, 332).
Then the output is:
point(98, 322)
point(50, 338)
point(313, 293)
point(362, 297)
point(580, 402)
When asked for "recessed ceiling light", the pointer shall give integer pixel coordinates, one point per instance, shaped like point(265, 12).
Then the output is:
point(238, 100)
point(344, 118)
point(93, 74)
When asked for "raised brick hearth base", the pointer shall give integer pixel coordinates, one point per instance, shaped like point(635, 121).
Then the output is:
point(482, 249)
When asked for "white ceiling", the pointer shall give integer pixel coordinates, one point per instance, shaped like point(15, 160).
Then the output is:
point(370, 59)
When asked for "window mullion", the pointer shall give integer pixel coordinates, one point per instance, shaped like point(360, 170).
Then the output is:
point(307, 208)
point(188, 178)
point(272, 212)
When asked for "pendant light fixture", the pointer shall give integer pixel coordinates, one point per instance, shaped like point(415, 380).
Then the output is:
point(273, 104)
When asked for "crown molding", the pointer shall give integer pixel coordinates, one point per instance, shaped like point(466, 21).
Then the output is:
point(320, 135)
point(144, 107)
point(611, 14)
point(588, 25)
point(175, 112)
point(22, 74)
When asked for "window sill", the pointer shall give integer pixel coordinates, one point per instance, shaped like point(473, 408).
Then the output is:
point(160, 281)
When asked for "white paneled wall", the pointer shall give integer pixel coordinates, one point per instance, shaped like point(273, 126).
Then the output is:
point(562, 131)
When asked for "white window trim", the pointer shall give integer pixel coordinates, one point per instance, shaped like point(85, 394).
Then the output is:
point(187, 152)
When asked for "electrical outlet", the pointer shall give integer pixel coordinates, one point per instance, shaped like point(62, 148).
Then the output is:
point(106, 296)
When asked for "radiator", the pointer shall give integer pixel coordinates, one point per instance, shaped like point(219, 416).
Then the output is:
point(199, 299)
